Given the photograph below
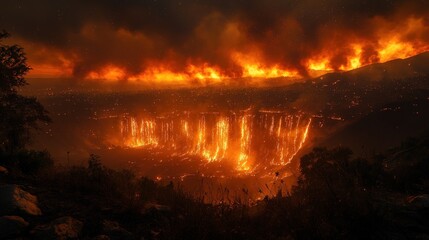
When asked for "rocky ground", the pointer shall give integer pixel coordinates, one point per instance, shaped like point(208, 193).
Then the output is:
point(31, 211)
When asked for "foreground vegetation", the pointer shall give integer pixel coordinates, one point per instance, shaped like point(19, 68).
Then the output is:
point(337, 196)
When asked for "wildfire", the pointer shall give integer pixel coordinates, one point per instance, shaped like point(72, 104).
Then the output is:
point(216, 148)
point(142, 133)
point(161, 74)
point(222, 134)
point(111, 73)
point(257, 69)
point(272, 138)
point(391, 42)
point(242, 163)
point(222, 46)
point(253, 67)
point(185, 128)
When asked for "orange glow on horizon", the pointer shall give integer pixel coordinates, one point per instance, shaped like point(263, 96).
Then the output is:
point(391, 41)
point(253, 67)
point(110, 73)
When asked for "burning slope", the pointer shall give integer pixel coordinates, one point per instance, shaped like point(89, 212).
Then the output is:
point(245, 140)
point(256, 64)
point(194, 43)
point(388, 43)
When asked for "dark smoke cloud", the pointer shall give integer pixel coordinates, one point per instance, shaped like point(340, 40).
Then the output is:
point(135, 33)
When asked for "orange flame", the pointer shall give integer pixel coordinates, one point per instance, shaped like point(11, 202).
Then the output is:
point(242, 163)
point(243, 59)
point(222, 137)
point(142, 133)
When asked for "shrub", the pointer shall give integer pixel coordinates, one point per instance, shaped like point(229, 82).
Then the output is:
point(28, 162)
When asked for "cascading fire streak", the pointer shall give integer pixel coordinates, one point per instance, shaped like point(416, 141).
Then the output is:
point(247, 139)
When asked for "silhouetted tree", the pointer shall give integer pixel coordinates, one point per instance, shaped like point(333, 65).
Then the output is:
point(18, 114)
point(334, 194)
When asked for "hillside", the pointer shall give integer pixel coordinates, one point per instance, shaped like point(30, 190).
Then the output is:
point(380, 104)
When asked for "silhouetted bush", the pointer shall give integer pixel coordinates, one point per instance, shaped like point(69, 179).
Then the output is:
point(96, 180)
point(27, 162)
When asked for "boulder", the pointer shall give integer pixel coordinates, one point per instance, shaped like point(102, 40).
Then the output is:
point(59, 229)
point(154, 207)
point(13, 199)
point(3, 171)
point(102, 237)
point(12, 226)
point(419, 201)
point(114, 231)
